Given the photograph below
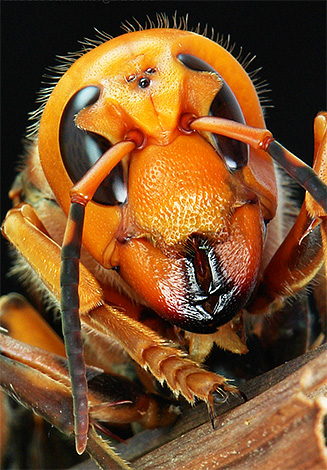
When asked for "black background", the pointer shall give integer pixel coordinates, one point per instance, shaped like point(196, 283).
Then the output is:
point(288, 39)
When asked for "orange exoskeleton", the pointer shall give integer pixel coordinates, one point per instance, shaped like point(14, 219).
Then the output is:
point(152, 166)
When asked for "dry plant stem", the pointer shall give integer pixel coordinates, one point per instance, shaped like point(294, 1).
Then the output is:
point(266, 432)
point(288, 399)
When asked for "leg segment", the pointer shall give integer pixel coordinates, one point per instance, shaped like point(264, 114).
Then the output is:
point(23, 323)
point(167, 363)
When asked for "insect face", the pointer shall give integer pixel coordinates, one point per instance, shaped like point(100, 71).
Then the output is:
point(179, 208)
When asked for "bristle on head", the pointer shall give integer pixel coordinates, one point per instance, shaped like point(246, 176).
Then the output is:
point(162, 21)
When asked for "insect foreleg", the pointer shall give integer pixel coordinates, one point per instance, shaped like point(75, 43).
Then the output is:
point(303, 251)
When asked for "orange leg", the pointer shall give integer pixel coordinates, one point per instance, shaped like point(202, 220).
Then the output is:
point(23, 323)
point(304, 250)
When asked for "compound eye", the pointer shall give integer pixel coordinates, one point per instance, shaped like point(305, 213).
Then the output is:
point(194, 63)
point(80, 149)
point(225, 105)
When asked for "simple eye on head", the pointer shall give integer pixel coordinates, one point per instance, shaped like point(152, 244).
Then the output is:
point(80, 149)
point(224, 105)
point(144, 82)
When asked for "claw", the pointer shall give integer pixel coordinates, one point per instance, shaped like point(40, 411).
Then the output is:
point(220, 396)
point(243, 396)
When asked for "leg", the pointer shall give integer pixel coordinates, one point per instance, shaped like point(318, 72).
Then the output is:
point(304, 250)
point(22, 322)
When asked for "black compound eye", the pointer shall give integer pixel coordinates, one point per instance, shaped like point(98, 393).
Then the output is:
point(80, 149)
point(225, 105)
point(144, 82)
point(194, 63)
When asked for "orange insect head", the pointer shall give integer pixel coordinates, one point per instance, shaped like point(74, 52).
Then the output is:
point(182, 208)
